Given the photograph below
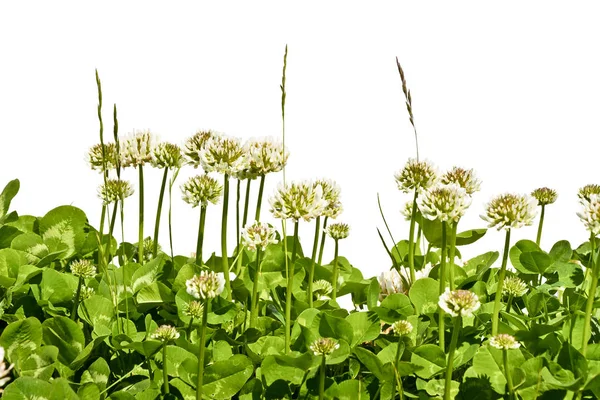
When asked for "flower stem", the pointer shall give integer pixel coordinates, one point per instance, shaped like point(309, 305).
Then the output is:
point(451, 253)
point(511, 390)
point(261, 188)
point(411, 239)
point(165, 373)
point(399, 351)
point(158, 212)
point(322, 378)
point(334, 284)
point(442, 279)
point(246, 202)
point(311, 273)
point(501, 276)
point(76, 300)
point(323, 237)
point(508, 302)
point(224, 260)
point(539, 232)
point(141, 217)
point(201, 343)
point(171, 183)
point(288, 293)
point(254, 300)
point(200, 241)
point(589, 305)
point(450, 362)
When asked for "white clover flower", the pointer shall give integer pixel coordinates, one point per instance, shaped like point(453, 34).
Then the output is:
point(4, 372)
point(545, 196)
point(590, 213)
point(258, 235)
point(194, 146)
point(167, 155)
point(324, 346)
point(444, 202)
point(194, 309)
point(165, 333)
point(510, 211)
point(95, 157)
point(514, 286)
point(222, 154)
point(406, 211)
point(207, 285)
point(296, 201)
point(322, 289)
point(262, 156)
point(390, 282)
point(114, 190)
point(402, 327)
point(465, 178)
point(585, 192)
point(86, 292)
point(416, 175)
point(504, 341)
point(459, 302)
point(138, 149)
point(331, 194)
point(83, 269)
point(338, 231)
point(200, 190)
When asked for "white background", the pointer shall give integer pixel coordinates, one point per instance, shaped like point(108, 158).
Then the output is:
point(510, 89)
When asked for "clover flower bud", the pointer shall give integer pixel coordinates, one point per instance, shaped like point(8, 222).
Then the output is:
point(148, 248)
point(444, 202)
point(200, 190)
point(167, 155)
point(504, 341)
point(465, 178)
point(459, 302)
point(138, 149)
point(207, 285)
point(86, 292)
point(194, 309)
point(324, 346)
point(302, 200)
point(510, 211)
point(544, 196)
point(95, 156)
point(416, 175)
point(338, 231)
point(83, 269)
point(258, 235)
point(514, 286)
point(402, 327)
point(165, 333)
point(114, 190)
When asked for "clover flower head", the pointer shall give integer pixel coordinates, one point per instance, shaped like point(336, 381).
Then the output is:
point(4, 371)
point(331, 194)
point(338, 231)
point(165, 333)
point(544, 196)
point(406, 211)
point(390, 282)
point(402, 327)
point(138, 149)
point(167, 155)
point(510, 211)
point(322, 289)
point(513, 286)
point(298, 200)
point(200, 190)
point(590, 213)
point(324, 346)
point(195, 145)
point(504, 341)
point(444, 202)
point(258, 235)
point(86, 292)
point(263, 156)
point(95, 157)
point(206, 285)
point(83, 269)
point(148, 248)
point(416, 175)
point(459, 302)
point(465, 178)
point(114, 190)
point(585, 192)
point(194, 309)
point(222, 154)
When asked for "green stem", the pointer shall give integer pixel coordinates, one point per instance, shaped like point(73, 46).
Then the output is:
point(335, 272)
point(399, 351)
point(165, 373)
point(158, 212)
point(323, 237)
point(111, 227)
point(246, 202)
point(311, 273)
point(511, 390)
point(322, 378)
point(237, 215)
point(451, 253)
point(508, 302)
point(411, 239)
point(76, 300)
point(589, 305)
point(254, 300)
point(539, 232)
point(171, 183)
point(200, 241)
point(224, 260)
point(450, 363)
point(261, 188)
point(102, 218)
point(201, 343)
point(500, 284)
point(141, 217)
point(442, 278)
point(188, 331)
point(125, 293)
point(288, 293)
